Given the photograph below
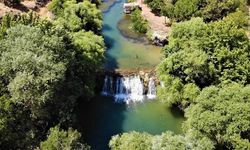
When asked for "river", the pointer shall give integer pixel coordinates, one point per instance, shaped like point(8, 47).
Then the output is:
point(124, 53)
point(101, 118)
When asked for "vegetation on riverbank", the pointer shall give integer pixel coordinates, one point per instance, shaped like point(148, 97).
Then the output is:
point(46, 67)
point(206, 72)
point(209, 10)
point(139, 24)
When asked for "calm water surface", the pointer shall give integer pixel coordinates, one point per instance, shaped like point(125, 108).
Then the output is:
point(102, 118)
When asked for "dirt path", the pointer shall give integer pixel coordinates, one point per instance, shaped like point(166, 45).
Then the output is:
point(26, 6)
point(156, 23)
point(4, 10)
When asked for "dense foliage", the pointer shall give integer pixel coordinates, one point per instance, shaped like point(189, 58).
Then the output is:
point(63, 140)
point(138, 23)
point(222, 113)
point(46, 68)
point(200, 55)
point(209, 10)
point(78, 16)
point(206, 73)
point(169, 141)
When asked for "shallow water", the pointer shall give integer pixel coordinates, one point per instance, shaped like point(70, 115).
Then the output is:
point(122, 52)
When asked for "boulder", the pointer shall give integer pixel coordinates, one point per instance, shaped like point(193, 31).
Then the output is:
point(129, 7)
point(159, 38)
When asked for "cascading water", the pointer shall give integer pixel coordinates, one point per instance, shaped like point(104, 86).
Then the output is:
point(128, 89)
point(151, 89)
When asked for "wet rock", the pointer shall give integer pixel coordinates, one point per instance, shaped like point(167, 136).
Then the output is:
point(159, 38)
point(129, 7)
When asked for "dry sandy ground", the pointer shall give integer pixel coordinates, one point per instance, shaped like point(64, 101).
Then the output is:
point(26, 6)
point(156, 23)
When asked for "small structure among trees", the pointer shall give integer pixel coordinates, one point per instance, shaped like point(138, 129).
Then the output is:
point(129, 7)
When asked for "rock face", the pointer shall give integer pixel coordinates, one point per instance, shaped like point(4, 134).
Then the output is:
point(129, 7)
point(159, 38)
point(168, 22)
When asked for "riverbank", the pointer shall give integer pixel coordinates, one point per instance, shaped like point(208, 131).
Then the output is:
point(26, 6)
point(156, 23)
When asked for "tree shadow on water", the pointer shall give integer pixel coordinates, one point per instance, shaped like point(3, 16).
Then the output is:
point(99, 120)
point(110, 62)
point(106, 27)
point(176, 112)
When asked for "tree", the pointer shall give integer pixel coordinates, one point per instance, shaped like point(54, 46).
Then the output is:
point(138, 23)
point(63, 140)
point(214, 9)
point(44, 71)
point(202, 55)
point(16, 130)
point(133, 140)
point(57, 6)
point(209, 10)
point(32, 64)
point(93, 50)
point(168, 140)
point(31, 18)
point(222, 113)
point(83, 15)
point(185, 9)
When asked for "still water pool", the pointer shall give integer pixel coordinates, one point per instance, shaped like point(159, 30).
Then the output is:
point(102, 118)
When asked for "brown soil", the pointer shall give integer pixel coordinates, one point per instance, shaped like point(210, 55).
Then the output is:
point(156, 23)
point(129, 72)
point(26, 6)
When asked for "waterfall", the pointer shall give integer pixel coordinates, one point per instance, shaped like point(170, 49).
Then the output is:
point(107, 89)
point(151, 89)
point(128, 89)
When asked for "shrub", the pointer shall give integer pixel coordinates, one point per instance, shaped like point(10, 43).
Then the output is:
point(139, 24)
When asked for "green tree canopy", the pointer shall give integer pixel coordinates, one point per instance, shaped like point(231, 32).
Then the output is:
point(133, 140)
point(209, 10)
point(79, 16)
point(168, 140)
point(201, 55)
point(44, 71)
point(63, 140)
point(139, 24)
point(222, 113)
point(32, 64)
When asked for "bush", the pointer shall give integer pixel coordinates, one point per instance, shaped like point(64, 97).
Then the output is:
point(139, 24)
point(64, 140)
